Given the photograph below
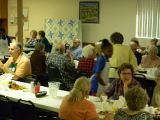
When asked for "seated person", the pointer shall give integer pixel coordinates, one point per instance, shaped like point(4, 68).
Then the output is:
point(151, 60)
point(140, 49)
point(125, 81)
point(154, 42)
point(80, 108)
point(156, 93)
point(75, 106)
point(38, 65)
point(33, 40)
point(63, 63)
point(87, 62)
point(136, 99)
point(76, 49)
point(134, 47)
point(4, 36)
point(17, 64)
point(44, 40)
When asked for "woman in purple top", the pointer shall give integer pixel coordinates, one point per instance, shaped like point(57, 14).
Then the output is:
point(125, 81)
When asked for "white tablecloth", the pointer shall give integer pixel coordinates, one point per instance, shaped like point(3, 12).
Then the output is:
point(52, 104)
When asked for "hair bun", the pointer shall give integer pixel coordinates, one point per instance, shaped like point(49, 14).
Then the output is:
point(105, 41)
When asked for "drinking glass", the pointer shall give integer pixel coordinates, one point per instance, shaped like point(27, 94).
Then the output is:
point(53, 88)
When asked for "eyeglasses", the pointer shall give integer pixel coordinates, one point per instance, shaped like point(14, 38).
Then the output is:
point(126, 73)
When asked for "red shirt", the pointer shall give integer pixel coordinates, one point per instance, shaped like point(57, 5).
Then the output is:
point(86, 65)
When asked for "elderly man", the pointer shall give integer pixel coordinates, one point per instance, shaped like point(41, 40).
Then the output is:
point(64, 63)
point(17, 64)
point(134, 48)
point(76, 50)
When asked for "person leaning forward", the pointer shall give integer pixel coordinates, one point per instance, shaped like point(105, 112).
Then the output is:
point(17, 64)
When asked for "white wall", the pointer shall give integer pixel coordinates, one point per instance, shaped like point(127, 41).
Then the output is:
point(115, 15)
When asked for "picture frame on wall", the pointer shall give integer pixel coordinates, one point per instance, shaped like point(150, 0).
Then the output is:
point(89, 11)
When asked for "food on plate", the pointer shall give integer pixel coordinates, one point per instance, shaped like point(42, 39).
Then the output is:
point(103, 112)
point(15, 86)
point(156, 116)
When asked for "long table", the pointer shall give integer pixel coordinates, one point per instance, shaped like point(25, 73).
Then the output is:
point(49, 103)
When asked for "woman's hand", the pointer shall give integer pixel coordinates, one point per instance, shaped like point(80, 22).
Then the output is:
point(126, 83)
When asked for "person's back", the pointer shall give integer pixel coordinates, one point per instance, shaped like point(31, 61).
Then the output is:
point(125, 115)
point(75, 106)
point(121, 54)
point(136, 100)
point(64, 64)
point(38, 63)
point(81, 110)
point(57, 59)
point(86, 65)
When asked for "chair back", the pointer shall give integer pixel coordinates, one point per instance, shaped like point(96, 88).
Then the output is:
point(6, 108)
point(148, 85)
point(54, 73)
point(25, 110)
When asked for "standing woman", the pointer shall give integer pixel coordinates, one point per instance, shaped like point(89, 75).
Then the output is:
point(99, 80)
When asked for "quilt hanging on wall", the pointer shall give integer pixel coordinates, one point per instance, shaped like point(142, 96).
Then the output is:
point(64, 30)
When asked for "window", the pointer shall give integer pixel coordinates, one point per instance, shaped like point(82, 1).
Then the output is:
point(148, 19)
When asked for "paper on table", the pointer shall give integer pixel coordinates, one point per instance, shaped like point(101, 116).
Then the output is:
point(6, 77)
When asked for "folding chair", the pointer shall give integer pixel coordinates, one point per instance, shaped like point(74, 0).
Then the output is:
point(6, 108)
point(24, 110)
point(54, 74)
point(148, 85)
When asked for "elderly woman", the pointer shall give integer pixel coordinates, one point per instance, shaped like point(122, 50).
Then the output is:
point(38, 65)
point(156, 94)
point(79, 107)
point(75, 106)
point(87, 62)
point(121, 54)
point(151, 60)
point(33, 40)
point(125, 81)
point(136, 99)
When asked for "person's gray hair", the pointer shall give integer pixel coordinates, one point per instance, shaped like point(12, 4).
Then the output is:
point(60, 47)
point(88, 51)
point(18, 45)
point(152, 49)
point(136, 98)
